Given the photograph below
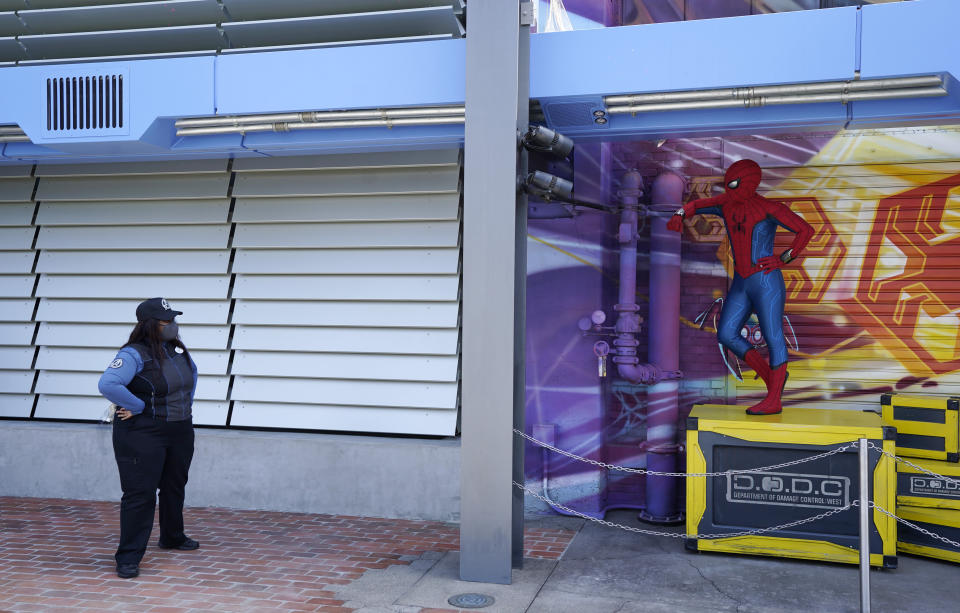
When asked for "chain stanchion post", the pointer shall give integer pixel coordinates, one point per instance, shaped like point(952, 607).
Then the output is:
point(864, 451)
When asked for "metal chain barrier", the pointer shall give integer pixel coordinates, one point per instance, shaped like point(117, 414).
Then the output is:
point(681, 535)
point(912, 465)
point(793, 524)
point(915, 527)
point(726, 473)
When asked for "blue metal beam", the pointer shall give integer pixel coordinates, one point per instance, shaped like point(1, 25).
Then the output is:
point(907, 38)
point(709, 53)
point(570, 74)
point(369, 76)
point(572, 71)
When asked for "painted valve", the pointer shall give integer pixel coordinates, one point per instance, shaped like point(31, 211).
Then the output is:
point(601, 349)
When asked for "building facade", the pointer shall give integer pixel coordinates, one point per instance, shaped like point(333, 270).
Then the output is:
point(292, 176)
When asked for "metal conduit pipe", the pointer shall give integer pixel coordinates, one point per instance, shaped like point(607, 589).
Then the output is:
point(663, 407)
point(628, 319)
point(14, 138)
point(770, 90)
point(286, 127)
point(8, 130)
point(318, 116)
point(843, 97)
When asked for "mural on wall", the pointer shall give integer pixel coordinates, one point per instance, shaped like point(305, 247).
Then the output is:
point(587, 14)
point(871, 301)
point(657, 11)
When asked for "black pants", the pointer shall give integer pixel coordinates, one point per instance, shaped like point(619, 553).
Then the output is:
point(151, 454)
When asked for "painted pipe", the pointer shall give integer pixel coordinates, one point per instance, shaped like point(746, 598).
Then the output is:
point(628, 321)
point(928, 92)
point(320, 125)
point(13, 134)
point(663, 408)
point(317, 116)
point(775, 90)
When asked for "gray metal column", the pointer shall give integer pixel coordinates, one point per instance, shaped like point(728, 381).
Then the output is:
point(494, 280)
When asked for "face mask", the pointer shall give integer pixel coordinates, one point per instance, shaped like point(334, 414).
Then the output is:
point(169, 331)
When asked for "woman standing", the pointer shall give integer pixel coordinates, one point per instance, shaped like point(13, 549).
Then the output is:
point(152, 381)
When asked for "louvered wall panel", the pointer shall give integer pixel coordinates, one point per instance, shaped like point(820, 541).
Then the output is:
point(327, 417)
point(361, 261)
point(133, 237)
point(400, 207)
point(77, 359)
point(110, 236)
point(360, 268)
point(16, 381)
point(122, 212)
point(435, 341)
point(179, 262)
point(70, 407)
point(132, 286)
point(16, 405)
point(117, 311)
point(16, 261)
point(348, 314)
point(67, 383)
point(13, 286)
point(318, 293)
point(16, 309)
point(339, 287)
point(16, 357)
point(16, 213)
point(17, 280)
point(350, 235)
point(16, 238)
point(114, 335)
point(370, 392)
point(16, 333)
point(46, 30)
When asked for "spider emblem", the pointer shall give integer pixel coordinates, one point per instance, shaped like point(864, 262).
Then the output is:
point(750, 332)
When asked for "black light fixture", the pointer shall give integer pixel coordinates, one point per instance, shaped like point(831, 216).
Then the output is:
point(548, 186)
point(541, 138)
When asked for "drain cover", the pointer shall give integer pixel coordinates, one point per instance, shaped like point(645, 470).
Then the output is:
point(471, 601)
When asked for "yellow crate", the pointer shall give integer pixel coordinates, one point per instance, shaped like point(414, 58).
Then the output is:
point(918, 489)
point(721, 438)
point(927, 427)
point(945, 522)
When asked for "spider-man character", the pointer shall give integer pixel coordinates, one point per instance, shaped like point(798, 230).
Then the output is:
point(751, 222)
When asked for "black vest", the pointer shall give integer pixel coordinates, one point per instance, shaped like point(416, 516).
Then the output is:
point(165, 386)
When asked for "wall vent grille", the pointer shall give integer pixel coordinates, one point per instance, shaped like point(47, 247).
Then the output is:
point(84, 103)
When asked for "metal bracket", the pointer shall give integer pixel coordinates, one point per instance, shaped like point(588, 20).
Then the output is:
point(526, 13)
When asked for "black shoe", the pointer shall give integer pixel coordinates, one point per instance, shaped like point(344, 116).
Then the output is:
point(128, 571)
point(188, 544)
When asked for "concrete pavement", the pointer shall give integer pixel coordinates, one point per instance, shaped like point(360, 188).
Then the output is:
point(606, 570)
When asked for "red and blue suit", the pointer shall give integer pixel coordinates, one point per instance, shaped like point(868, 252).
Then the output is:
point(752, 221)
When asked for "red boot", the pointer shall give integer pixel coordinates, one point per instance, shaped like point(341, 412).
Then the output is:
point(755, 361)
point(771, 404)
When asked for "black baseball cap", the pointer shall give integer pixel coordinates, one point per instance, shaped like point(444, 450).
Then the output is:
point(156, 308)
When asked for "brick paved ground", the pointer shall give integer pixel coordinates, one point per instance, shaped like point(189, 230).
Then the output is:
point(58, 554)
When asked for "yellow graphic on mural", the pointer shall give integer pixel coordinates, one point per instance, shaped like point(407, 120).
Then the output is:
point(874, 300)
